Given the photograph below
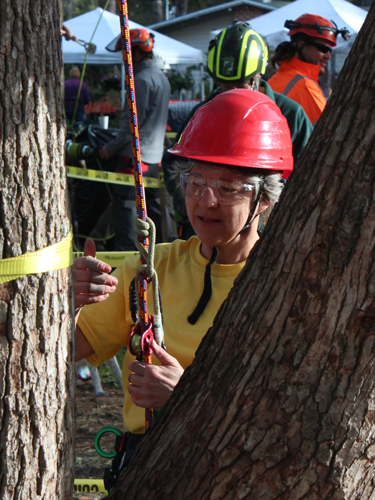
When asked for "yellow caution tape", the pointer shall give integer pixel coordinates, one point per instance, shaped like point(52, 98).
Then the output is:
point(111, 258)
point(112, 177)
point(89, 485)
point(51, 258)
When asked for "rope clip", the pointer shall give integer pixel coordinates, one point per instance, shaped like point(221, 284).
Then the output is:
point(89, 47)
point(140, 343)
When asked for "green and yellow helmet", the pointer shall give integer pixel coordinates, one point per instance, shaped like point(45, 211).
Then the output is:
point(237, 54)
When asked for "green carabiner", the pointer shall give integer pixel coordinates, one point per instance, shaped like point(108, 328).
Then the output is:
point(99, 435)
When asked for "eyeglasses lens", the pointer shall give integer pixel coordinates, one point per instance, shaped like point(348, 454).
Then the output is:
point(226, 192)
point(322, 48)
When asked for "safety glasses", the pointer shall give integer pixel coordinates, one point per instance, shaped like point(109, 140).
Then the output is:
point(322, 48)
point(227, 192)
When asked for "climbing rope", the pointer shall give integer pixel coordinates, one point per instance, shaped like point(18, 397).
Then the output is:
point(87, 52)
point(138, 176)
point(146, 327)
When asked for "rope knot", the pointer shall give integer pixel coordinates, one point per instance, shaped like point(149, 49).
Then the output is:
point(146, 229)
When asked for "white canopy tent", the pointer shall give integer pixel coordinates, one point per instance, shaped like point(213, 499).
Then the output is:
point(167, 49)
point(344, 14)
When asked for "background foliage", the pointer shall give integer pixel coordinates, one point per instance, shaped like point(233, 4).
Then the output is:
point(139, 11)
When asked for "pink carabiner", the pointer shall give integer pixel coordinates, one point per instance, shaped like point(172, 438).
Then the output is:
point(140, 343)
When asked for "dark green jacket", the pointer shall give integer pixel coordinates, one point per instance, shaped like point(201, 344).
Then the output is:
point(299, 124)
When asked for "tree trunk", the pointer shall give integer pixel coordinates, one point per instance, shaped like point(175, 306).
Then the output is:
point(111, 7)
point(36, 374)
point(181, 7)
point(68, 9)
point(279, 401)
point(157, 11)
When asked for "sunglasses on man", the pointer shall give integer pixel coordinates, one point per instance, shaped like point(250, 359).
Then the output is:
point(322, 48)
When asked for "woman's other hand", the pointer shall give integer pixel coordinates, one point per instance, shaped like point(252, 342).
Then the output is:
point(150, 386)
point(91, 281)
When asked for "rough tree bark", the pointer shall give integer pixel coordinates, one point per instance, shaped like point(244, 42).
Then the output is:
point(68, 8)
point(157, 11)
point(279, 401)
point(181, 7)
point(111, 6)
point(36, 373)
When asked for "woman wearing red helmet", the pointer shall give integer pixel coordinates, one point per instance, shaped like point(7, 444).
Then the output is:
point(301, 60)
point(230, 161)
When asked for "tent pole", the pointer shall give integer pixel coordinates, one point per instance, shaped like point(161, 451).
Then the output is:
point(122, 86)
point(166, 10)
point(202, 82)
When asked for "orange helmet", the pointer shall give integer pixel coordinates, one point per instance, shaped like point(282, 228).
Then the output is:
point(141, 38)
point(316, 27)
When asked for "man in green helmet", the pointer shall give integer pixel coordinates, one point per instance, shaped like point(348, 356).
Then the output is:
point(237, 57)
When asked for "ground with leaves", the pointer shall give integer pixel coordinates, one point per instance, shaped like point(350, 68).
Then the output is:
point(93, 414)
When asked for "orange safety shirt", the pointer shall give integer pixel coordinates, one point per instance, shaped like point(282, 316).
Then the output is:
point(299, 81)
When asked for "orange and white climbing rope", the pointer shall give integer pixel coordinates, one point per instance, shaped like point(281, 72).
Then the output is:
point(145, 320)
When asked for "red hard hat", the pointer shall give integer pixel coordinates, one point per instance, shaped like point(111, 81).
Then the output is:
point(314, 26)
point(142, 38)
point(241, 128)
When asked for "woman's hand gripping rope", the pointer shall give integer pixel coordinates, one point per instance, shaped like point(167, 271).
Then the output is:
point(150, 386)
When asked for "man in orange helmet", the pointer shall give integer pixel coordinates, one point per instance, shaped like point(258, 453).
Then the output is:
point(301, 60)
point(152, 93)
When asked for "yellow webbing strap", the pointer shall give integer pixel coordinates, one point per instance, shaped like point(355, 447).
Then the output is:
point(52, 258)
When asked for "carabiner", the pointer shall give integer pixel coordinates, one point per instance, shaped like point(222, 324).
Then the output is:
point(140, 343)
point(99, 435)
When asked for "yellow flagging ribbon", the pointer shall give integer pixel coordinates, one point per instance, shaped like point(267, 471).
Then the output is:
point(52, 258)
point(89, 485)
point(112, 177)
point(112, 258)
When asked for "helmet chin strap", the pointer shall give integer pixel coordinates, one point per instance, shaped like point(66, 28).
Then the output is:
point(252, 211)
point(207, 288)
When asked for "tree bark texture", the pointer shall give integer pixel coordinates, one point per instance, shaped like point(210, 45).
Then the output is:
point(157, 11)
point(181, 7)
point(36, 343)
point(279, 402)
point(68, 9)
point(111, 7)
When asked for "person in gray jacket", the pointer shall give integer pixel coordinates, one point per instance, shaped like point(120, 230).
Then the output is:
point(152, 91)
